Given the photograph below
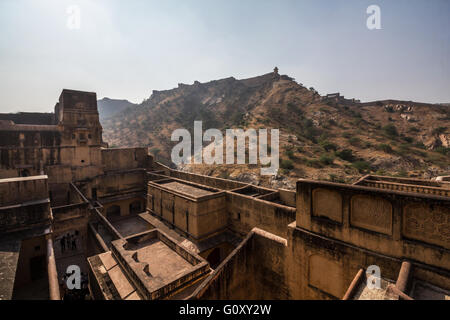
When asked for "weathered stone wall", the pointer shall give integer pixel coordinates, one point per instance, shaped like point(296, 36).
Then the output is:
point(22, 217)
point(123, 205)
point(245, 213)
point(112, 184)
point(231, 279)
point(196, 217)
point(218, 183)
point(30, 248)
point(342, 228)
point(396, 224)
point(254, 270)
point(24, 203)
point(321, 268)
point(20, 190)
point(29, 118)
point(125, 158)
point(339, 229)
point(288, 197)
point(72, 140)
point(26, 153)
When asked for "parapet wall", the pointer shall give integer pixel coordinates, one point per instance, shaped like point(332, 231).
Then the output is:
point(218, 183)
point(438, 188)
point(245, 213)
point(29, 118)
point(23, 203)
point(19, 190)
point(119, 183)
point(125, 158)
point(396, 224)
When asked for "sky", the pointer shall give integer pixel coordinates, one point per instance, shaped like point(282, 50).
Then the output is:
point(125, 49)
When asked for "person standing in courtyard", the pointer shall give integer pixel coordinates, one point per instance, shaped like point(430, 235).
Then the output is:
point(62, 242)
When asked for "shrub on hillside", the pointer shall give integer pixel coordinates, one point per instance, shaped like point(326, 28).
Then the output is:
point(314, 163)
point(287, 164)
point(443, 150)
point(290, 154)
point(347, 135)
point(328, 146)
point(439, 130)
point(385, 147)
point(326, 159)
point(361, 166)
point(354, 141)
point(403, 148)
point(408, 139)
point(402, 173)
point(345, 154)
point(335, 178)
point(420, 145)
point(390, 130)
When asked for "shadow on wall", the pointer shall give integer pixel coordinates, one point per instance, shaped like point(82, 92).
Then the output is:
point(254, 270)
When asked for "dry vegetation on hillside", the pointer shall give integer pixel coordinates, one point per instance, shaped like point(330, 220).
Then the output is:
point(319, 139)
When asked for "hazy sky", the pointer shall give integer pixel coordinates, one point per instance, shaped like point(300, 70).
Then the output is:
point(125, 49)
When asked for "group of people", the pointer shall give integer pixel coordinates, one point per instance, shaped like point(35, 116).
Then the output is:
point(68, 242)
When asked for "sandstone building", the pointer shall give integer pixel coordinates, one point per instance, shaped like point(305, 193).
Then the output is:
point(141, 230)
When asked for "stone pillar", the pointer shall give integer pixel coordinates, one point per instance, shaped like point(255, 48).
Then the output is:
point(404, 276)
point(52, 273)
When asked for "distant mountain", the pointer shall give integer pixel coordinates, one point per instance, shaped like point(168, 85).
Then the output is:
point(108, 107)
point(327, 138)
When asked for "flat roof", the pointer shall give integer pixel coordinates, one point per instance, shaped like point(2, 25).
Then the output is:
point(157, 263)
point(187, 189)
point(153, 252)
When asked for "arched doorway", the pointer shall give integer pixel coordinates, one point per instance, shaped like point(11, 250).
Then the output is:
point(214, 258)
point(113, 212)
point(135, 207)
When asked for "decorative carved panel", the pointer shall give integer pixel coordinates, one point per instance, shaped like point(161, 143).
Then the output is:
point(327, 203)
point(427, 223)
point(371, 213)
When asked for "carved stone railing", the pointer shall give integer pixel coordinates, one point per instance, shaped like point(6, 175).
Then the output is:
point(407, 188)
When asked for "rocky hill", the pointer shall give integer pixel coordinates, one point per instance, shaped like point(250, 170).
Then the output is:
point(321, 138)
point(108, 107)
